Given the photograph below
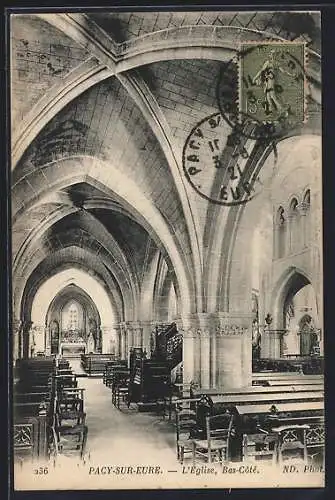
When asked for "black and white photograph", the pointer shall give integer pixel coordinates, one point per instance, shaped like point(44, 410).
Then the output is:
point(167, 249)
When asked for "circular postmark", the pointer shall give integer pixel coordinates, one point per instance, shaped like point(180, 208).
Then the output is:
point(222, 164)
point(261, 90)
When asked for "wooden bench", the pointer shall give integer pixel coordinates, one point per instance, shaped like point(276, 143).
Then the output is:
point(297, 382)
point(30, 437)
point(291, 363)
point(32, 408)
point(253, 412)
point(285, 379)
point(288, 388)
point(109, 369)
point(282, 376)
point(94, 364)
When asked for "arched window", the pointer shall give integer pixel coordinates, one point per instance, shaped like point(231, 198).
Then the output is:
point(294, 216)
point(306, 213)
point(73, 317)
point(280, 233)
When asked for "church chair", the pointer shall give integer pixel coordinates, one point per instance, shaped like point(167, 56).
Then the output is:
point(219, 429)
point(70, 409)
point(122, 392)
point(185, 426)
point(260, 446)
point(291, 442)
point(70, 432)
point(71, 444)
point(74, 392)
point(177, 391)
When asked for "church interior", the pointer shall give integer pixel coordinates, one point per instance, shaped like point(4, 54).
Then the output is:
point(136, 301)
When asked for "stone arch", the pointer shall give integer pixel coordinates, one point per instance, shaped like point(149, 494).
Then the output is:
point(291, 281)
point(111, 181)
point(212, 42)
point(68, 293)
point(232, 229)
point(165, 280)
point(55, 284)
point(62, 261)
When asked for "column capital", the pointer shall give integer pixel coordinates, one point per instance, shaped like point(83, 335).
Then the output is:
point(17, 324)
point(135, 324)
point(190, 333)
point(231, 330)
point(303, 208)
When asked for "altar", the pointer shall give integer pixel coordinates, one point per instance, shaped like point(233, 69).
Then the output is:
point(72, 349)
point(72, 343)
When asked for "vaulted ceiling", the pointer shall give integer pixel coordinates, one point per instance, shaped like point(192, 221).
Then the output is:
point(102, 104)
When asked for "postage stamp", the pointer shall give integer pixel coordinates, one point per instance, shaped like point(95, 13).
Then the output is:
point(271, 81)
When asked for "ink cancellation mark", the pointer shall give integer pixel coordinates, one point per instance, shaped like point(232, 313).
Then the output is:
point(222, 164)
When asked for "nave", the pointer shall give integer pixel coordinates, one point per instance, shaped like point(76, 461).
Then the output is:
point(125, 436)
point(150, 315)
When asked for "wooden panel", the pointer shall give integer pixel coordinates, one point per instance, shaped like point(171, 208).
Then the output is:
point(300, 382)
point(260, 390)
point(258, 409)
point(282, 375)
point(271, 398)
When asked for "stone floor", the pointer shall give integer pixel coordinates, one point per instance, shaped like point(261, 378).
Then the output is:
point(127, 434)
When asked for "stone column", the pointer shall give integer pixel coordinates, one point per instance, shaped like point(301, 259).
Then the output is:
point(205, 350)
point(26, 338)
point(274, 339)
point(137, 334)
point(109, 334)
point(130, 341)
point(123, 341)
point(147, 328)
point(303, 209)
point(17, 341)
point(191, 352)
point(233, 351)
point(47, 344)
point(289, 242)
point(37, 340)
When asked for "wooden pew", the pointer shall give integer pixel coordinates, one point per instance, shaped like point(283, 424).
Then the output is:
point(285, 378)
point(281, 375)
point(33, 404)
point(298, 382)
point(265, 398)
point(31, 397)
point(150, 383)
point(253, 412)
point(30, 437)
point(109, 369)
point(259, 390)
point(94, 364)
point(291, 363)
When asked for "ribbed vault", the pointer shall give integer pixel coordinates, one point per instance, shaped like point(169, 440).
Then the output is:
point(97, 181)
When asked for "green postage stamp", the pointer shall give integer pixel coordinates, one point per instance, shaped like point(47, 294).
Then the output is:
point(272, 81)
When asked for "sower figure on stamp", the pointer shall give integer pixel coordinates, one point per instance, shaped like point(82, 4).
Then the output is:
point(267, 76)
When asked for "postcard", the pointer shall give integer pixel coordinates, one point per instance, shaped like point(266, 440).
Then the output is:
point(167, 279)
